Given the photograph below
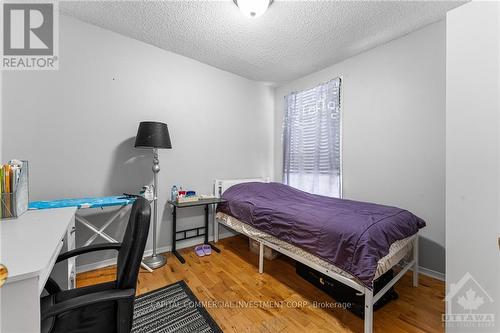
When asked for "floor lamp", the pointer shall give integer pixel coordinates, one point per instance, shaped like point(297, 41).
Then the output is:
point(154, 135)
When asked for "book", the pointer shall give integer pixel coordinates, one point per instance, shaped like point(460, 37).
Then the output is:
point(7, 190)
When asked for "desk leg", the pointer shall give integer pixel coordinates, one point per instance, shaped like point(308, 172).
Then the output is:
point(206, 231)
point(174, 233)
point(216, 224)
point(20, 306)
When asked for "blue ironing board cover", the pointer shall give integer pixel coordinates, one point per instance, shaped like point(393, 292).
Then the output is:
point(119, 200)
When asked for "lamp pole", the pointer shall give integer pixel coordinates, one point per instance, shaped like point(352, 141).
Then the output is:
point(153, 134)
point(155, 260)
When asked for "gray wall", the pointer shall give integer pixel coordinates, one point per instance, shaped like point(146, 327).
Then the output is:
point(393, 129)
point(472, 157)
point(76, 126)
point(222, 125)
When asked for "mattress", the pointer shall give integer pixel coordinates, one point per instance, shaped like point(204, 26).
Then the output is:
point(399, 250)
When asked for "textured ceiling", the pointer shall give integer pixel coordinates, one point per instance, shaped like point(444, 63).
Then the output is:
point(292, 39)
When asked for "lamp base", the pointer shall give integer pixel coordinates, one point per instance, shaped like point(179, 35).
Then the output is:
point(155, 261)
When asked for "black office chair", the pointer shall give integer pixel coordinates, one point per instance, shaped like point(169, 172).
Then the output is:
point(105, 307)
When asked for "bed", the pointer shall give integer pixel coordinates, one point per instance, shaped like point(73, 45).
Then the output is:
point(360, 242)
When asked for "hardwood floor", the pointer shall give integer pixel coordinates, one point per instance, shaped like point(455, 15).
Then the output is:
point(232, 276)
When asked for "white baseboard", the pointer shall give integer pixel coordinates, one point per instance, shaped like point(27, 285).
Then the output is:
point(112, 261)
point(433, 274)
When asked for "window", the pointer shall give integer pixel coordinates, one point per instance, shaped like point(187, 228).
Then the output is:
point(311, 140)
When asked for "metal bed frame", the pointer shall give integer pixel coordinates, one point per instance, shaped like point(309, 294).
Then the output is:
point(370, 298)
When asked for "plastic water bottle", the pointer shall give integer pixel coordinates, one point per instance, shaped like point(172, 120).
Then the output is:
point(173, 195)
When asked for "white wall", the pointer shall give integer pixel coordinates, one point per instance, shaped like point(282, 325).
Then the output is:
point(1, 117)
point(473, 152)
point(393, 129)
point(77, 125)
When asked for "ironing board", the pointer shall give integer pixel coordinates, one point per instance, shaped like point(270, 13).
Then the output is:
point(84, 203)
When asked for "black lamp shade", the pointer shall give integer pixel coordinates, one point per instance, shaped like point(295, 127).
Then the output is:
point(152, 134)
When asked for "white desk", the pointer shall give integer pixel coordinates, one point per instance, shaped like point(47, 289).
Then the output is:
point(29, 248)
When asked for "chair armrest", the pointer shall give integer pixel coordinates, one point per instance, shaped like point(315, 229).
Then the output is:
point(87, 249)
point(51, 286)
point(85, 300)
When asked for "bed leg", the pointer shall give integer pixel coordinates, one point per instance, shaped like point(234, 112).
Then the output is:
point(261, 258)
point(368, 311)
point(415, 258)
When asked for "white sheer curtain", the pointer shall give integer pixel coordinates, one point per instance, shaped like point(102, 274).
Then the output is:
point(311, 139)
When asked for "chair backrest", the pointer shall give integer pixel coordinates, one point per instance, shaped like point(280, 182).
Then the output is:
point(133, 244)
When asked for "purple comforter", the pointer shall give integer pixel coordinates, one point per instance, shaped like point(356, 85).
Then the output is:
point(349, 234)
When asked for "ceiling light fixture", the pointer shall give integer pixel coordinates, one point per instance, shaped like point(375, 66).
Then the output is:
point(253, 8)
